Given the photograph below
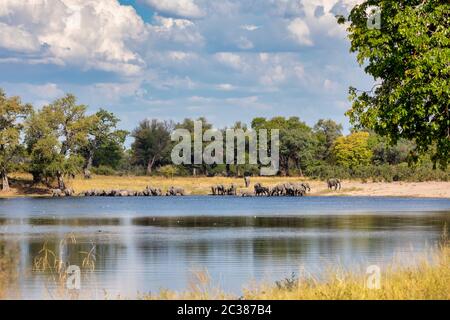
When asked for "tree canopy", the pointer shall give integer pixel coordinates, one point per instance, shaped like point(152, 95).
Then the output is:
point(409, 59)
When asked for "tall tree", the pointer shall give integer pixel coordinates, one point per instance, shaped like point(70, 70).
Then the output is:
point(327, 131)
point(297, 142)
point(353, 150)
point(188, 124)
point(55, 137)
point(409, 58)
point(12, 112)
point(103, 136)
point(151, 143)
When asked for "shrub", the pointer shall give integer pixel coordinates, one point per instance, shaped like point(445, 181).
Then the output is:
point(104, 171)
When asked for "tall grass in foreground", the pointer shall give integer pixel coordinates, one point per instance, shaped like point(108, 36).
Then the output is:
point(429, 278)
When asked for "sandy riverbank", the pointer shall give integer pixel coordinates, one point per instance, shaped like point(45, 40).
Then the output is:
point(21, 186)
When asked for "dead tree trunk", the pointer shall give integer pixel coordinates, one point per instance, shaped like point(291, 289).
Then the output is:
point(5, 181)
point(61, 184)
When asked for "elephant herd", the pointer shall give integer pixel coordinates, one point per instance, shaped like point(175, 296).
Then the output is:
point(292, 189)
point(222, 190)
point(147, 192)
point(282, 189)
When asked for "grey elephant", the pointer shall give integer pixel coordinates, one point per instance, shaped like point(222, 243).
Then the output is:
point(260, 190)
point(247, 181)
point(231, 191)
point(334, 183)
point(306, 186)
point(277, 190)
point(175, 191)
point(57, 193)
point(68, 192)
point(219, 190)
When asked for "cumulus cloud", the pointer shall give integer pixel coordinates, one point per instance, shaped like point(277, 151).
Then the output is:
point(91, 34)
point(182, 8)
point(181, 31)
point(15, 38)
point(299, 30)
point(230, 59)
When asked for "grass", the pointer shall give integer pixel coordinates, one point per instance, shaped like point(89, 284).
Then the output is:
point(21, 185)
point(192, 185)
point(428, 279)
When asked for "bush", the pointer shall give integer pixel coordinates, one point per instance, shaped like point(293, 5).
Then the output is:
point(104, 170)
point(168, 171)
point(380, 173)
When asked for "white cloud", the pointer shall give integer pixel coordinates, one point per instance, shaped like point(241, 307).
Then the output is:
point(16, 39)
point(183, 8)
point(225, 87)
point(230, 59)
point(249, 27)
point(175, 30)
point(90, 34)
point(299, 31)
point(244, 43)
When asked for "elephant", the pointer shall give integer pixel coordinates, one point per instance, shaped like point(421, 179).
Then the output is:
point(247, 194)
point(219, 190)
point(334, 183)
point(260, 190)
point(175, 191)
point(68, 192)
point(306, 186)
point(247, 181)
point(214, 190)
point(150, 191)
point(156, 192)
point(231, 191)
point(57, 193)
point(277, 190)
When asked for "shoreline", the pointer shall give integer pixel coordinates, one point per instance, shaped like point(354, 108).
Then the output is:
point(201, 186)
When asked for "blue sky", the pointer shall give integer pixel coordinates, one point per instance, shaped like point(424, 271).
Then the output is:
point(227, 60)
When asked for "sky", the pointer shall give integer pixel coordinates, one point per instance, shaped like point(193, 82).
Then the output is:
point(227, 60)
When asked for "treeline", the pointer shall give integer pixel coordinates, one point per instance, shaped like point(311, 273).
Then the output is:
point(60, 140)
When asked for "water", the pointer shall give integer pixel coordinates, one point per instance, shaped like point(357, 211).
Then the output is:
point(145, 244)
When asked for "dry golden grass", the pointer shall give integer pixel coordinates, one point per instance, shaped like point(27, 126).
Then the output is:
point(428, 279)
point(202, 185)
point(192, 185)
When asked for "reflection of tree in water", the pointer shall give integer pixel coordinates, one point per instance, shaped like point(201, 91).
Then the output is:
point(8, 267)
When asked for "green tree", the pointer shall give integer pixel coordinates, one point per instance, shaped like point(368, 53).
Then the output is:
point(188, 124)
point(352, 150)
point(12, 112)
point(152, 143)
point(297, 141)
point(409, 57)
point(327, 131)
point(55, 138)
point(105, 143)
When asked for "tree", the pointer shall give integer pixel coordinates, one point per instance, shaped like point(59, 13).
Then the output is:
point(151, 143)
point(297, 141)
point(104, 143)
point(327, 131)
point(188, 124)
point(12, 111)
point(55, 137)
point(409, 57)
point(352, 150)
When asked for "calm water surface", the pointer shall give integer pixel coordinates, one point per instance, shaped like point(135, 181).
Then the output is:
point(145, 244)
